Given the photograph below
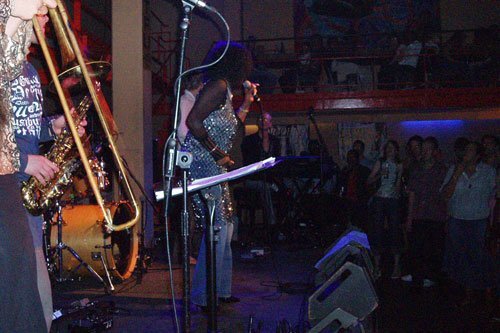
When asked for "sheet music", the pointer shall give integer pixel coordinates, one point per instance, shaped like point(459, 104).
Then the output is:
point(225, 177)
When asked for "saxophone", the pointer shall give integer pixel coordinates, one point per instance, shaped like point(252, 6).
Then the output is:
point(38, 197)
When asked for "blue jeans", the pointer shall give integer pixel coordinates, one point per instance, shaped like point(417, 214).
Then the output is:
point(466, 259)
point(224, 267)
point(386, 208)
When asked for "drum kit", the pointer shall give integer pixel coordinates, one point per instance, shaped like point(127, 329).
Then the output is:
point(76, 244)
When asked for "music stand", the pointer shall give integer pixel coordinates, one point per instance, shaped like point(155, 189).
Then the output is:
point(211, 192)
point(302, 180)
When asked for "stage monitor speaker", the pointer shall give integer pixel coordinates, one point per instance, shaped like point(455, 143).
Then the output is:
point(352, 252)
point(352, 234)
point(351, 246)
point(345, 299)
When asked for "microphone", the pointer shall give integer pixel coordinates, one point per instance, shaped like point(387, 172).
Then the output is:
point(248, 85)
point(197, 3)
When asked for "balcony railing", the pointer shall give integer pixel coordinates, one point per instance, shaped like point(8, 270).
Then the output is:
point(303, 65)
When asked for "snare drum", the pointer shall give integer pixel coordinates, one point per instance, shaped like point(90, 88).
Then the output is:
point(83, 230)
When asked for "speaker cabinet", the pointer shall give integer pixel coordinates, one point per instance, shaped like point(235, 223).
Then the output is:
point(346, 298)
point(345, 280)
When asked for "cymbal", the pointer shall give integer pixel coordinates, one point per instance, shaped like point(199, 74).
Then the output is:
point(72, 78)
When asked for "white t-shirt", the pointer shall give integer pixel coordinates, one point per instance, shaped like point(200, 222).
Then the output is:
point(187, 103)
point(472, 195)
point(411, 54)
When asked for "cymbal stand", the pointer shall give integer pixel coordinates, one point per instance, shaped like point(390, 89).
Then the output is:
point(61, 246)
point(323, 153)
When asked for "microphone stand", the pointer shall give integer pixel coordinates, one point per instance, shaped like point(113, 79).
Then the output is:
point(211, 195)
point(265, 192)
point(322, 146)
point(184, 160)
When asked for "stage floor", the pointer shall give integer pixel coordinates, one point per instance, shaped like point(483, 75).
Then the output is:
point(147, 306)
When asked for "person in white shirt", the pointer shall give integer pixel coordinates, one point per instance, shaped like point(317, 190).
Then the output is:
point(192, 86)
point(402, 68)
point(468, 188)
point(410, 54)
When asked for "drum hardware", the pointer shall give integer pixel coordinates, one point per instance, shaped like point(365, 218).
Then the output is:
point(97, 256)
point(61, 246)
point(47, 253)
point(84, 231)
point(144, 256)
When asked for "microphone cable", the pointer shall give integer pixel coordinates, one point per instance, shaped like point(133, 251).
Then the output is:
point(165, 150)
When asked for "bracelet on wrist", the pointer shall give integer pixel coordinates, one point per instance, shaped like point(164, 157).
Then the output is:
point(244, 110)
point(214, 149)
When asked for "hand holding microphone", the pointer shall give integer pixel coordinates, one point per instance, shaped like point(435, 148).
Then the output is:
point(251, 91)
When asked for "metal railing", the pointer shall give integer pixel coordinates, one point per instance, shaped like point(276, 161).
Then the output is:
point(353, 67)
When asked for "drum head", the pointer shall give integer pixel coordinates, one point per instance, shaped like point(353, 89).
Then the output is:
point(83, 231)
point(124, 243)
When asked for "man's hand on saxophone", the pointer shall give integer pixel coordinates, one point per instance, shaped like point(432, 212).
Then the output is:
point(41, 168)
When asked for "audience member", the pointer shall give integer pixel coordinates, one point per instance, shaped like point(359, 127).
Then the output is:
point(426, 217)
point(359, 147)
point(451, 66)
point(353, 68)
point(491, 155)
point(309, 68)
point(352, 187)
point(333, 49)
point(459, 148)
point(429, 58)
point(413, 156)
point(386, 204)
point(483, 57)
point(401, 70)
point(319, 52)
point(468, 187)
point(409, 60)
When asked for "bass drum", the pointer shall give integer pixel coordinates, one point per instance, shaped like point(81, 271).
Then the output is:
point(83, 231)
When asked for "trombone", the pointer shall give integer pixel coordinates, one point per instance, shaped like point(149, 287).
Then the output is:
point(70, 45)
